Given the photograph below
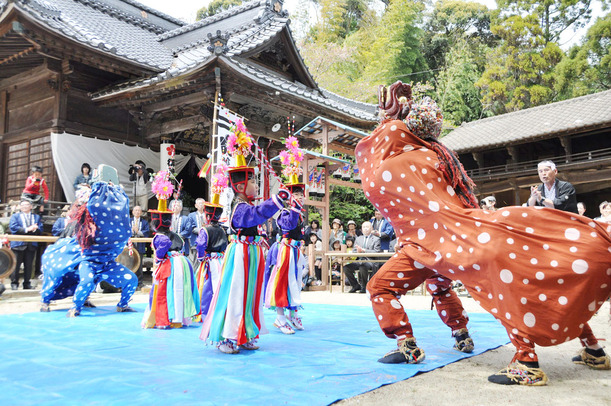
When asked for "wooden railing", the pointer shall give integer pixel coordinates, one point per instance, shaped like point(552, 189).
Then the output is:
point(530, 167)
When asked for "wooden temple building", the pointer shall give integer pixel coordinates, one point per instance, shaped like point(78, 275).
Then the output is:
point(120, 71)
point(501, 153)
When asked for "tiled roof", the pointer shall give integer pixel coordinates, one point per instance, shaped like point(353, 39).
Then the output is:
point(114, 26)
point(568, 116)
point(249, 26)
point(362, 111)
point(192, 55)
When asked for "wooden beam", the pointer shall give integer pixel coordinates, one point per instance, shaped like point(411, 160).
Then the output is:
point(193, 98)
point(168, 127)
point(339, 148)
point(344, 183)
point(18, 55)
point(314, 203)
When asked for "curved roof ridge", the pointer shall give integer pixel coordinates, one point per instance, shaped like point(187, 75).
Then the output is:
point(212, 19)
point(155, 12)
point(121, 15)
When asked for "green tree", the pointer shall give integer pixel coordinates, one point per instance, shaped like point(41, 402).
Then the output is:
point(349, 204)
point(555, 16)
point(456, 93)
point(587, 68)
point(215, 7)
point(390, 50)
point(520, 72)
point(452, 21)
point(339, 19)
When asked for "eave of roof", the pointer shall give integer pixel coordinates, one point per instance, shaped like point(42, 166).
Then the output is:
point(95, 29)
point(571, 116)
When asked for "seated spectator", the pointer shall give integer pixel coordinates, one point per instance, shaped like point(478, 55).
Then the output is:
point(581, 208)
point(60, 224)
point(336, 262)
point(317, 257)
point(337, 233)
point(314, 227)
point(31, 192)
point(84, 178)
point(490, 203)
point(364, 243)
point(605, 212)
point(352, 231)
point(382, 229)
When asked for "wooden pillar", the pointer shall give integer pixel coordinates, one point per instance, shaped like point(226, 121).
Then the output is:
point(516, 193)
point(60, 107)
point(325, 231)
point(3, 128)
point(565, 140)
point(325, 214)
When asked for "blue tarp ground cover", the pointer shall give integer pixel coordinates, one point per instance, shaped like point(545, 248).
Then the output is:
point(105, 358)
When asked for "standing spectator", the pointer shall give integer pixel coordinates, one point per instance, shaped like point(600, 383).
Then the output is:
point(552, 193)
point(337, 233)
point(31, 192)
point(24, 223)
point(140, 176)
point(581, 208)
point(382, 229)
point(140, 229)
point(352, 231)
point(180, 224)
point(314, 227)
point(84, 178)
point(197, 220)
point(364, 243)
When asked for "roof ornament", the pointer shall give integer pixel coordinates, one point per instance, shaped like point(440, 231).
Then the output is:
point(276, 6)
point(218, 42)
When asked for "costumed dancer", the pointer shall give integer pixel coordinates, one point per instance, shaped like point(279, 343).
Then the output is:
point(102, 231)
point(60, 260)
point(235, 318)
point(283, 290)
point(542, 272)
point(174, 299)
point(211, 242)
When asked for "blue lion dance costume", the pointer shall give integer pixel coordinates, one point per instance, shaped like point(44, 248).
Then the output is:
point(74, 266)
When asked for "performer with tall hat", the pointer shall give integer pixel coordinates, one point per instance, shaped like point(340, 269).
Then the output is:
point(211, 242)
point(541, 272)
point(283, 289)
point(235, 317)
point(174, 299)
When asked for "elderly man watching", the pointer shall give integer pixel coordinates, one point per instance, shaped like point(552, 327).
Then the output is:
point(197, 220)
point(552, 193)
point(364, 243)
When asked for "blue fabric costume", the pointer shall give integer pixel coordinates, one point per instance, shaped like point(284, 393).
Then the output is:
point(68, 270)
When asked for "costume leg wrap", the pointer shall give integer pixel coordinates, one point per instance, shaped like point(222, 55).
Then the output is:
point(587, 336)
point(525, 349)
point(394, 279)
point(447, 303)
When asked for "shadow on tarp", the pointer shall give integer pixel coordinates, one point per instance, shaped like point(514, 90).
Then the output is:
point(110, 360)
